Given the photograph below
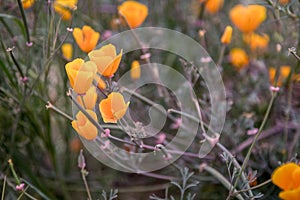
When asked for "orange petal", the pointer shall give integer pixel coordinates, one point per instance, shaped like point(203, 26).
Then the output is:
point(296, 178)
point(283, 176)
point(134, 12)
point(106, 111)
point(290, 194)
point(84, 127)
point(89, 99)
point(213, 6)
point(135, 71)
point(118, 105)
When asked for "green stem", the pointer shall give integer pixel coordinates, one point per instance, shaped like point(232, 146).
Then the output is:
point(220, 178)
point(15, 61)
point(255, 139)
point(14, 172)
point(24, 21)
point(221, 56)
point(3, 189)
point(236, 164)
point(83, 173)
point(253, 188)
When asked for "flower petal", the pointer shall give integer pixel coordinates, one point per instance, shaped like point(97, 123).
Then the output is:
point(282, 176)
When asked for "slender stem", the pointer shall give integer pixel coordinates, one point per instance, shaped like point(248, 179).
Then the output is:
point(220, 178)
point(23, 193)
point(29, 196)
point(255, 139)
point(94, 122)
point(24, 21)
point(83, 173)
point(49, 105)
point(221, 56)
point(236, 164)
point(14, 172)
point(83, 103)
point(255, 187)
point(292, 50)
point(3, 189)
point(15, 61)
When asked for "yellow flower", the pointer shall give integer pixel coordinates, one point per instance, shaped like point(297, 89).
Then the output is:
point(226, 37)
point(213, 6)
point(63, 7)
point(238, 58)
point(86, 38)
point(283, 74)
point(287, 178)
point(256, 42)
point(106, 59)
point(89, 99)
point(67, 51)
point(84, 127)
point(27, 3)
point(247, 18)
point(134, 12)
point(135, 71)
point(81, 75)
point(113, 107)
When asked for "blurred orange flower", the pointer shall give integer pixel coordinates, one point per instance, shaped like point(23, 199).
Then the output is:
point(134, 12)
point(247, 18)
point(226, 37)
point(84, 127)
point(75, 145)
point(135, 71)
point(213, 6)
point(89, 99)
point(256, 41)
point(67, 51)
point(81, 75)
point(113, 107)
point(86, 38)
point(64, 7)
point(106, 59)
point(283, 74)
point(238, 58)
point(287, 178)
point(27, 3)
point(283, 2)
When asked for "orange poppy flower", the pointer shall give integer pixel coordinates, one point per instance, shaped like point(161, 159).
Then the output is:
point(287, 178)
point(134, 12)
point(135, 71)
point(27, 3)
point(113, 107)
point(63, 7)
point(256, 42)
point(67, 51)
point(84, 127)
point(226, 37)
point(86, 38)
point(283, 74)
point(81, 74)
point(89, 99)
point(106, 59)
point(283, 2)
point(238, 58)
point(247, 18)
point(213, 6)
